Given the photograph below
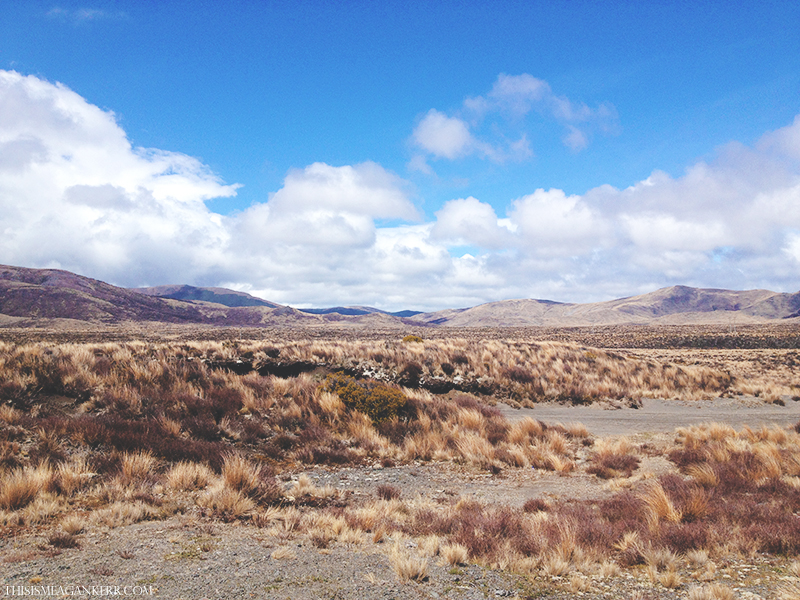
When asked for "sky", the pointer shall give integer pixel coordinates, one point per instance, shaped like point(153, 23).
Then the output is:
point(404, 155)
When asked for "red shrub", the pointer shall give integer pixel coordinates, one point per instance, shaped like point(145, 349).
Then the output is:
point(613, 465)
point(535, 505)
point(388, 492)
point(682, 537)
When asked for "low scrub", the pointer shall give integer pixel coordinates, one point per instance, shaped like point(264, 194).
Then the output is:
point(151, 430)
point(378, 401)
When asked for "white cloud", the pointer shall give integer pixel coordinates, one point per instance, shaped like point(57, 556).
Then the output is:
point(323, 205)
point(518, 93)
point(84, 15)
point(75, 194)
point(792, 246)
point(80, 197)
point(419, 164)
point(511, 98)
point(551, 222)
point(468, 221)
point(443, 136)
point(663, 232)
point(575, 139)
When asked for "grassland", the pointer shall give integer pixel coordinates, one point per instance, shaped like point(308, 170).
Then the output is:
point(101, 434)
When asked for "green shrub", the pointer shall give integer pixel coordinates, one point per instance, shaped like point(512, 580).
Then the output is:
point(378, 401)
point(412, 338)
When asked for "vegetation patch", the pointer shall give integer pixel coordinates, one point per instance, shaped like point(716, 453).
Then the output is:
point(376, 400)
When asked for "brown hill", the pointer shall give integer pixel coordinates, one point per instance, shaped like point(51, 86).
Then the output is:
point(215, 295)
point(31, 296)
point(55, 294)
point(675, 305)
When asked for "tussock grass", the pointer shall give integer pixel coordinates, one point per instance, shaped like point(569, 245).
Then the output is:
point(123, 513)
point(283, 553)
point(658, 505)
point(407, 567)
point(136, 466)
point(454, 554)
point(73, 525)
point(712, 591)
point(187, 476)
point(21, 487)
point(226, 504)
point(613, 457)
point(151, 429)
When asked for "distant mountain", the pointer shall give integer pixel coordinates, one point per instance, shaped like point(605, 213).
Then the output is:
point(56, 294)
point(358, 310)
point(215, 295)
point(32, 297)
point(673, 305)
point(36, 294)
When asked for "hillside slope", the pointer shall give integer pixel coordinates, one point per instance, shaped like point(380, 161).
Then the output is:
point(673, 305)
point(28, 296)
point(56, 294)
point(215, 295)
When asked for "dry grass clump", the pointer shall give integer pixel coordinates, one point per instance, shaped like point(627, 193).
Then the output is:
point(712, 591)
point(73, 525)
point(305, 493)
point(226, 504)
point(388, 492)
point(670, 579)
point(188, 476)
point(63, 539)
point(239, 475)
point(454, 554)
point(406, 567)
point(613, 458)
point(658, 505)
point(283, 553)
point(20, 487)
point(136, 466)
point(123, 513)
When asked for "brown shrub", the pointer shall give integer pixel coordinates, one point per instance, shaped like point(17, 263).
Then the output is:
point(388, 492)
point(610, 466)
point(62, 539)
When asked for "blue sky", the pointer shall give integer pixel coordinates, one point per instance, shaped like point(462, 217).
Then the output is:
point(404, 155)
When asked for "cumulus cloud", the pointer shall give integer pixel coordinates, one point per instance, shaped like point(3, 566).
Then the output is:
point(443, 136)
point(75, 194)
point(468, 221)
point(552, 222)
point(730, 222)
point(323, 205)
point(511, 98)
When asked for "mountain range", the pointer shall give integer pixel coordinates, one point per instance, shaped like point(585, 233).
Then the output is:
point(36, 297)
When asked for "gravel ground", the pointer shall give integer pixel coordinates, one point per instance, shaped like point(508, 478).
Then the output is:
point(188, 557)
point(662, 416)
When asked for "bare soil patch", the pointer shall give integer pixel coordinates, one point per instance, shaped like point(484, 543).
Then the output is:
point(662, 416)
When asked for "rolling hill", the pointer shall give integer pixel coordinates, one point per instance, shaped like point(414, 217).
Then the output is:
point(668, 306)
point(31, 297)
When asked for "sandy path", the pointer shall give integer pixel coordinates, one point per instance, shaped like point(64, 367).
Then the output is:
point(662, 416)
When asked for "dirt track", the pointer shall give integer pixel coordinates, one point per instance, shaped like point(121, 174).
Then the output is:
point(662, 416)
